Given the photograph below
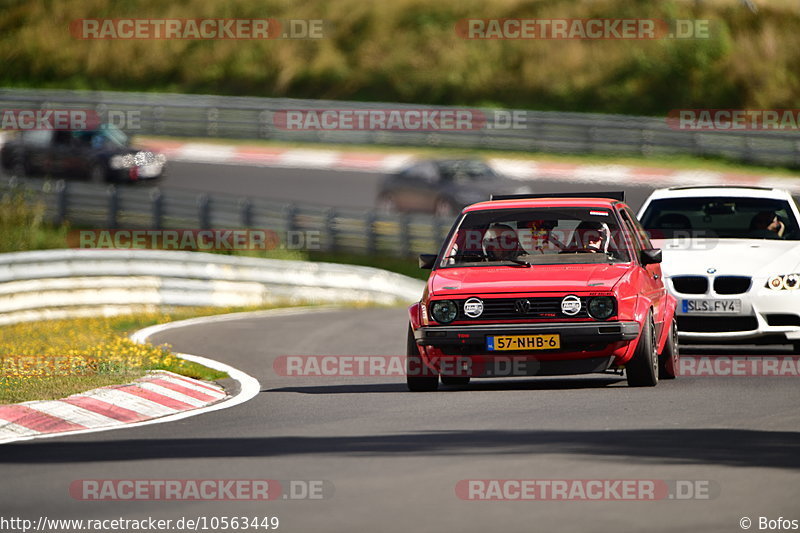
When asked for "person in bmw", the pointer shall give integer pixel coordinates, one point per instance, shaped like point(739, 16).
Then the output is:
point(766, 225)
point(731, 257)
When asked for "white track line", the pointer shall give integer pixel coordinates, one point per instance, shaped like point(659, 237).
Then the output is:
point(143, 335)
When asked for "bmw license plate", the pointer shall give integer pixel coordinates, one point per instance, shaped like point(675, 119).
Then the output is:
point(725, 307)
point(523, 342)
point(149, 171)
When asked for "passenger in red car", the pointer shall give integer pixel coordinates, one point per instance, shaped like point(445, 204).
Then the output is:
point(501, 243)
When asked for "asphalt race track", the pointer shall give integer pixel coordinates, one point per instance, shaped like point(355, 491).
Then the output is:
point(313, 186)
point(393, 458)
point(333, 188)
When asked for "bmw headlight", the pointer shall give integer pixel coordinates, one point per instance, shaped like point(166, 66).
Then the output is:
point(148, 158)
point(444, 311)
point(601, 307)
point(788, 282)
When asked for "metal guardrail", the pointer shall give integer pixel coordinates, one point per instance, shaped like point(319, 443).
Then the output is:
point(144, 207)
point(67, 283)
point(571, 133)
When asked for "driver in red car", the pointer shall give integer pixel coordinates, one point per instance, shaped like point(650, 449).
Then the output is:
point(592, 236)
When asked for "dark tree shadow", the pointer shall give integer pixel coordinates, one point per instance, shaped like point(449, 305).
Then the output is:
point(731, 447)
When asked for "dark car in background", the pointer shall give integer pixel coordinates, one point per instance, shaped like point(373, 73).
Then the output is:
point(100, 155)
point(443, 186)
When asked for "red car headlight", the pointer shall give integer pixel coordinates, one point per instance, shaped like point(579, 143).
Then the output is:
point(444, 311)
point(601, 307)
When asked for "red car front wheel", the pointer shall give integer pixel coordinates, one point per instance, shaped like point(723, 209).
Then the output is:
point(419, 377)
point(668, 360)
point(642, 369)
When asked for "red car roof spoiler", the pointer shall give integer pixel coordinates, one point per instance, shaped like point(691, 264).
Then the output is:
point(614, 195)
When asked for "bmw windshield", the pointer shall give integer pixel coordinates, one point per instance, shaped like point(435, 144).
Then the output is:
point(721, 217)
point(106, 136)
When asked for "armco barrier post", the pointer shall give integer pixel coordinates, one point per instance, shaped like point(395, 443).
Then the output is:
point(204, 211)
point(369, 227)
point(438, 234)
point(158, 207)
point(212, 128)
point(158, 120)
point(290, 215)
point(330, 226)
point(113, 207)
point(62, 202)
point(246, 212)
point(405, 235)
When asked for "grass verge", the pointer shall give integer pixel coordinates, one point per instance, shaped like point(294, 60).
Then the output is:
point(52, 359)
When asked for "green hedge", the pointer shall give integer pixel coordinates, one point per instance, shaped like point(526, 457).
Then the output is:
point(408, 51)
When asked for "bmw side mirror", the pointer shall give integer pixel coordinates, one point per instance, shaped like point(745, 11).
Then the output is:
point(427, 260)
point(650, 257)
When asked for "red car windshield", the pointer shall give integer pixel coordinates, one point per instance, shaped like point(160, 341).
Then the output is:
point(536, 236)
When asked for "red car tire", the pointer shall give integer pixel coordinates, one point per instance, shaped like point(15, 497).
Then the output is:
point(419, 377)
point(642, 369)
point(668, 360)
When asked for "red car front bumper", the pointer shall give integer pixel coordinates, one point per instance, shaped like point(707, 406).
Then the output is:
point(585, 347)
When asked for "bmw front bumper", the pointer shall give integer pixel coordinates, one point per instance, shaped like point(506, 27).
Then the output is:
point(764, 313)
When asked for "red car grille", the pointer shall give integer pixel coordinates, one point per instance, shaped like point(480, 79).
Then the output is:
point(517, 309)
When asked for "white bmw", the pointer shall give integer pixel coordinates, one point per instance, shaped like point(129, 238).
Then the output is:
point(731, 257)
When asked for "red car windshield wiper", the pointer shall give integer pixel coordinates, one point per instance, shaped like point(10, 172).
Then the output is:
point(519, 262)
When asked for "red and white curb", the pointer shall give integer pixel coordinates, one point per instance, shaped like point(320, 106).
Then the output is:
point(67, 417)
point(522, 169)
point(155, 395)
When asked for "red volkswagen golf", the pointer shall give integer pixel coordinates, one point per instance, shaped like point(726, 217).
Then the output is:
point(543, 285)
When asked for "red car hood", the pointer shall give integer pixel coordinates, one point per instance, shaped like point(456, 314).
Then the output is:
point(485, 280)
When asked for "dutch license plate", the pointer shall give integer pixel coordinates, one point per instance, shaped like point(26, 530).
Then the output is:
point(523, 342)
point(732, 307)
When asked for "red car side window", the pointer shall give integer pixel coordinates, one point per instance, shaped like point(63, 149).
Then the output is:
point(641, 234)
point(634, 235)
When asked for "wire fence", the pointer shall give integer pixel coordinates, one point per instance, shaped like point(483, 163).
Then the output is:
point(534, 131)
point(306, 227)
